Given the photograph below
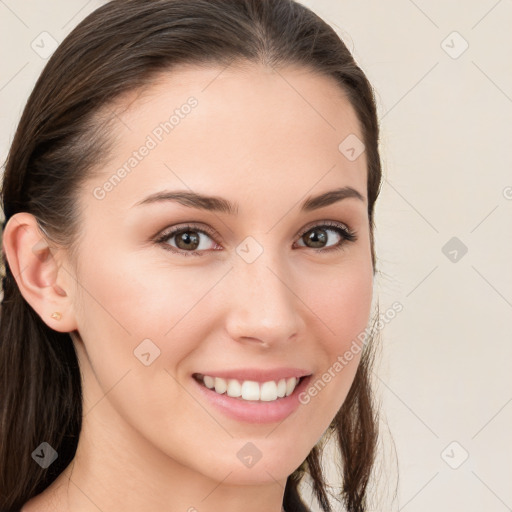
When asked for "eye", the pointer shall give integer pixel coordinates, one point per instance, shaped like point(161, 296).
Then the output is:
point(318, 235)
point(188, 240)
point(191, 240)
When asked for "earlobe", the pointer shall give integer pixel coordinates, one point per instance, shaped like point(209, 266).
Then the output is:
point(37, 272)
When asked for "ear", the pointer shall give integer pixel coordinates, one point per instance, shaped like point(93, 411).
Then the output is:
point(42, 280)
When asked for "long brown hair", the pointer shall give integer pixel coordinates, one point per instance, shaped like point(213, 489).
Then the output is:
point(117, 49)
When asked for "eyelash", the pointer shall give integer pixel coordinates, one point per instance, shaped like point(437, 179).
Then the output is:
point(346, 234)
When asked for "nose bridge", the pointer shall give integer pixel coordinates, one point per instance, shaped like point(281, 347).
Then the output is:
point(263, 304)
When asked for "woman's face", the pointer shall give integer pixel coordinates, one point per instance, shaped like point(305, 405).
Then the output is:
point(240, 292)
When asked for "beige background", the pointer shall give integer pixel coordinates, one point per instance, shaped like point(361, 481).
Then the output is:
point(445, 112)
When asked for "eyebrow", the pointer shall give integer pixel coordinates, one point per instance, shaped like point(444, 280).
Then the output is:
point(219, 204)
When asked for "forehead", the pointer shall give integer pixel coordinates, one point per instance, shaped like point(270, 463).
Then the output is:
point(258, 129)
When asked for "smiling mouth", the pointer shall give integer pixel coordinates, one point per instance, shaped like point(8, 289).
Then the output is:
point(250, 390)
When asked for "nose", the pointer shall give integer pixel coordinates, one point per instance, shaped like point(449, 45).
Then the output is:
point(262, 305)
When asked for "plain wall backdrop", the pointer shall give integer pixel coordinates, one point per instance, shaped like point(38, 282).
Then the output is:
point(442, 74)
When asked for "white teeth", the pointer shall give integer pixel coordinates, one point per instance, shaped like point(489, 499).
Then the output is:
point(281, 388)
point(220, 385)
point(251, 390)
point(209, 382)
point(268, 391)
point(234, 388)
point(290, 385)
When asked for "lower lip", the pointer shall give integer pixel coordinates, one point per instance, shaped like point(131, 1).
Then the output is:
point(254, 411)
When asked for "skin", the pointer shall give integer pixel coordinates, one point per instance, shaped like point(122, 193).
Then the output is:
point(147, 433)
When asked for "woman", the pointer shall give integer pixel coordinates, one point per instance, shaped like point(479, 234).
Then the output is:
point(189, 265)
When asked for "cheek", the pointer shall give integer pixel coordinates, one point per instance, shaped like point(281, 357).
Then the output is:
point(342, 301)
point(129, 303)
point(129, 311)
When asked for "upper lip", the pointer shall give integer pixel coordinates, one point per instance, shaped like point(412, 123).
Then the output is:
point(257, 374)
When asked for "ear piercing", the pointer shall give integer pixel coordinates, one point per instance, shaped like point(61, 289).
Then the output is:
point(57, 315)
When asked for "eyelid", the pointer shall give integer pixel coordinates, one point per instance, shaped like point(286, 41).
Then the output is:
point(173, 230)
point(319, 223)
